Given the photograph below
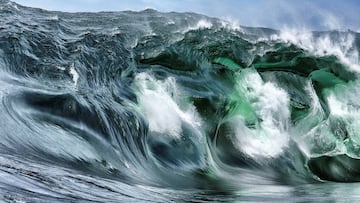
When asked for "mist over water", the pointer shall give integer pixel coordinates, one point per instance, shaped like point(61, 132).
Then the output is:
point(159, 107)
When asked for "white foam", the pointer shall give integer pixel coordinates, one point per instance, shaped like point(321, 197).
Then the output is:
point(74, 74)
point(343, 48)
point(61, 68)
point(170, 22)
point(231, 24)
point(201, 24)
point(337, 108)
point(160, 101)
point(319, 134)
point(204, 24)
point(344, 103)
point(271, 105)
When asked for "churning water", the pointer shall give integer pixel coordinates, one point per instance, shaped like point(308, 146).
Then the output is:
point(160, 107)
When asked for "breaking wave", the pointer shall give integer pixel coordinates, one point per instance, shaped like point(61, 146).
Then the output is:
point(150, 106)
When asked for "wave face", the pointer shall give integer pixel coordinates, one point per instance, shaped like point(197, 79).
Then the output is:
point(159, 107)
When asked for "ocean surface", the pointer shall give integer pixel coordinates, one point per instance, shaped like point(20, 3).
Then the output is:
point(175, 107)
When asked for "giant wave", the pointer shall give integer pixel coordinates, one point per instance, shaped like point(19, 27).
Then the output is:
point(151, 106)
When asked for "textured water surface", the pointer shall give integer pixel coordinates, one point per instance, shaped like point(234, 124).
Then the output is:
point(160, 107)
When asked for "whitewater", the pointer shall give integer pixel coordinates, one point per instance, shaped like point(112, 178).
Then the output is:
point(174, 107)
